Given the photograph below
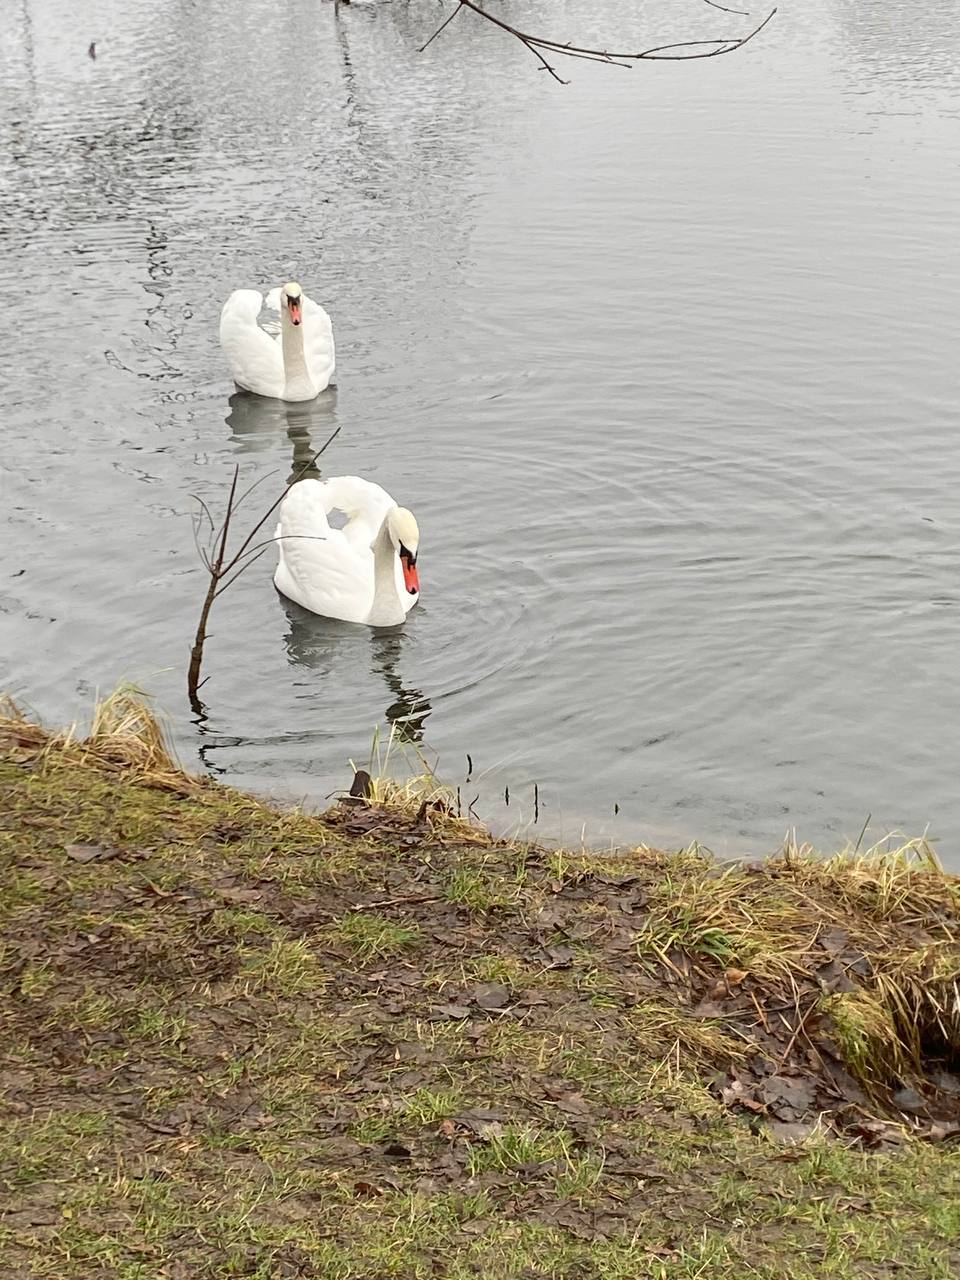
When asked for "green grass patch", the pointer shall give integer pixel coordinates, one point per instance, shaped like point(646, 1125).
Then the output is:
point(369, 936)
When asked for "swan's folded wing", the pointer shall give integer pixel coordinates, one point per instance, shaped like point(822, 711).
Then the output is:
point(254, 358)
point(318, 567)
point(364, 504)
point(318, 343)
point(328, 577)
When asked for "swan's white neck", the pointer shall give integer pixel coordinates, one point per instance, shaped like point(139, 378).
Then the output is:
point(387, 609)
point(295, 372)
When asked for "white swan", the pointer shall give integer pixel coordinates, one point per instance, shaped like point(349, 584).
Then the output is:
point(364, 572)
point(296, 364)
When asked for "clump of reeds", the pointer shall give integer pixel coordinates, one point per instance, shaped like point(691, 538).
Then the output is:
point(125, 733)
point(894, 916)
point(399, 777)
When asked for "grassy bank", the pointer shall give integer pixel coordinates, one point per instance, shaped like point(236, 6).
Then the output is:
point(379, 1043)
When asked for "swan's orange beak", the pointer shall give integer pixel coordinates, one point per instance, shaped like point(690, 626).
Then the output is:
point(293, 306)
point(411, 579)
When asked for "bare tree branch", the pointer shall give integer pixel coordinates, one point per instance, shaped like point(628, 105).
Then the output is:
point(539, 46)
point(441, 27)
point(713, 4)
point(219, 567)
point(257, 551)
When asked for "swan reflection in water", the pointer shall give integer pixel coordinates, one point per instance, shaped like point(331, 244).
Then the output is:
point(255, 423)
point(324, 644)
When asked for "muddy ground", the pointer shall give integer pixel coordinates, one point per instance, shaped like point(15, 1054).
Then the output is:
point(239, 1042)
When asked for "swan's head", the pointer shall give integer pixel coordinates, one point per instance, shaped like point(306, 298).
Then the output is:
point(406, 538)
point(291, 299)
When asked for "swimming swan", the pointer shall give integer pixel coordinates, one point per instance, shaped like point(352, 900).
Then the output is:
point(296, 364)
point(364, 572)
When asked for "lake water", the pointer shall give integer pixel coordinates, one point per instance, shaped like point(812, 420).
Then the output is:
point(665, 361)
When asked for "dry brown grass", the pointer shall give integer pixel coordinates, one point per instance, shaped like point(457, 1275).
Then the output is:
point(402, 780)
point(125, 733)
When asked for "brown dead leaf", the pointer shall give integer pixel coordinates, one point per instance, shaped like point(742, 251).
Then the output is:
point(942, 1131)
point(449, 1012)
point(90, 852)
point(572, 1104)
point(791, 1132)
point(735, 1095)
point(909, 1100)
point(491, 995)
point(367, 1189)
point(788, 1097)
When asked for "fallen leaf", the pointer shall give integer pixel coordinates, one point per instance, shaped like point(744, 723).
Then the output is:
point(792, 1132)
point(449, 1012)
point(362, 784)
point(938, 1132)
point(89, 852)
point(491, 995)
point(619, 882)
point(572, 1104)
point(364, 1188)
point(909, 1100)
point(796, 1092)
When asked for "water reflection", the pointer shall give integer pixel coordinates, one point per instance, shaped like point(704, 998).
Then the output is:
point(323, 644)
point(254, 422)
point(410, 709)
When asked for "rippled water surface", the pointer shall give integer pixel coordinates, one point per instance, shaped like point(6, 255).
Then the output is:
point(665, 361)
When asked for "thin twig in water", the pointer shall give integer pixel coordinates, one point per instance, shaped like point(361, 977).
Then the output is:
point(262, 547)
point(443, 25)
point(247, 492)
point(205, 509)
point(863, 832)
point(541, 45)
point(713, 5)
